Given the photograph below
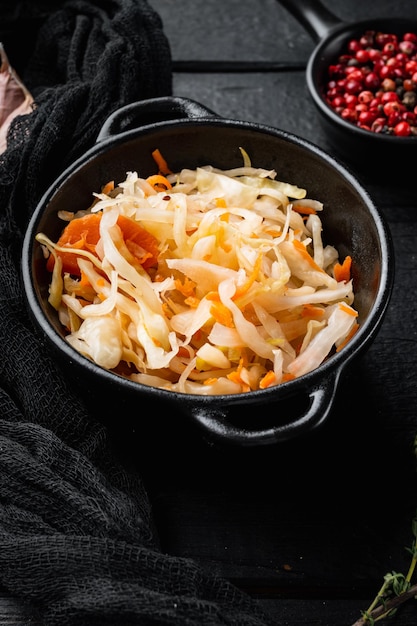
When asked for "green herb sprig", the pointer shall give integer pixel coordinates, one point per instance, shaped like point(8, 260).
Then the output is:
point(396, 588)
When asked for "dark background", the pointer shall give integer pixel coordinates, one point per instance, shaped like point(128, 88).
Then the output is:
point(310, 527)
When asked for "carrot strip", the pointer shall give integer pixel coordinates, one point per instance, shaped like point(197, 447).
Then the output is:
point(210, 381)
point(300, 247)
point(236, 378)
point(307, 210)
point(347, 309)
point(186, 287)
point(222, 314)
point(341, 271)
point(159, 182)
point(84, 282)
point(312, 312)
point(138, 239)
point(240, 291)
point(267, 380)
point(213, 296)
point(161, 163)
point(108, 187)
point(352, 332)
point(83, 233)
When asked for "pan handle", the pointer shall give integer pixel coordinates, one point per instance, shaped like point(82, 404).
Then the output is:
point(314, 16)
point(151, 111)
point(216, 423)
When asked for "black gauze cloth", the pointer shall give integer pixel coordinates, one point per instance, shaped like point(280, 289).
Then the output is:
point(77, 539)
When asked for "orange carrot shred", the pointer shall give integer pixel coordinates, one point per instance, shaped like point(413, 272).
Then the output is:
point(210, 381)
point(307, 210)
point(84, 282)
point(341, 271)
point(138, 239)
point(161, 163)
point(222, 314)
point(347, 309)
point(300, 247)
point(312, 312)
point(83, 233)
point(235, 378)
point(349, 336)
point(240, 291)
point(267, 380)
point(186, 287)
point(159, 182)
point(108, 187)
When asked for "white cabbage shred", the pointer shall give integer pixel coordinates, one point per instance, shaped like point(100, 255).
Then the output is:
point(242, 294)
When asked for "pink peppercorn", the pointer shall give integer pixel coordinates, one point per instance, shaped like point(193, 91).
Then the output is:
point(373, 83)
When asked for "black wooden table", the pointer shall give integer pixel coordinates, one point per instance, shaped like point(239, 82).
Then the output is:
point(309, 527)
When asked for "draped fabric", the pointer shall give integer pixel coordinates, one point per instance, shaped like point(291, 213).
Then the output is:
point(77, 538)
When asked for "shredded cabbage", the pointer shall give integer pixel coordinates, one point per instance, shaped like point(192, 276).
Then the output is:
point(242, 296)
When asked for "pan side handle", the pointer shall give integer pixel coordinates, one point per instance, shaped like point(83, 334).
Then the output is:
point(152, 111)
point(216, 423)
point(313, 16)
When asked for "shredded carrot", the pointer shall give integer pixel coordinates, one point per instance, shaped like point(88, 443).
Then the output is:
point(138, 239)
point(108, 187)
point(161, 163)
point(307, 210)
point(273, 232)
point(347, 309)
point(341, 271)
point(300, 247)
point(236, 378)
point(83, 233)
point(240, 291)
point(159, 182)
point(222, 314)
point(267, 380)
point(352, 332)
point(210, 381)
point(312, 312)
point(84, 282)
point(213, 296)
point(186, 287)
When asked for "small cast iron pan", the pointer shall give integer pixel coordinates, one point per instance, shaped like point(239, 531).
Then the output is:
point(377, 154)
point(190, 135)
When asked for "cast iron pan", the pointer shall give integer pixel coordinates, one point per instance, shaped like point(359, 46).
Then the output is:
point(188, 135)
point(374, 153)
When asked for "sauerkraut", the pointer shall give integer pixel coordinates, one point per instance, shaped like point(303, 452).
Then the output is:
point(202, 281)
